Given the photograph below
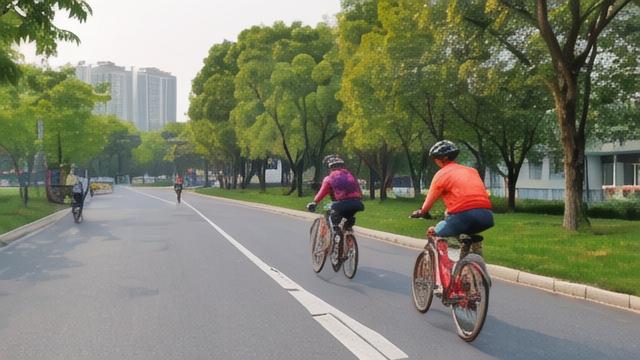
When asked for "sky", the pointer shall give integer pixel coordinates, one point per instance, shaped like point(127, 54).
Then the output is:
point(172, 35)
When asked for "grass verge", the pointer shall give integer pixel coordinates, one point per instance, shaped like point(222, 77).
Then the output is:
point(14, 214)
point(606, 255)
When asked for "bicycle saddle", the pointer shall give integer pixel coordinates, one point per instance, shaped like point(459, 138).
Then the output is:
point(473, 238)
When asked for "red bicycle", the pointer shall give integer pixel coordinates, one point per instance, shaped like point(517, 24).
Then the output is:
point(464, 287)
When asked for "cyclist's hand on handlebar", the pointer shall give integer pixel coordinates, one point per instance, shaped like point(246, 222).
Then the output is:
point(311, 206)
point(419, 214)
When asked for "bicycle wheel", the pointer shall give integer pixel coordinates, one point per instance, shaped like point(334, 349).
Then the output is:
point(350, 265)
point(470, 308)
point(424, 280)
point(318, 235)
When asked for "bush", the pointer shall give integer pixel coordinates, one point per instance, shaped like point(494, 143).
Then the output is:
point(616, 209)
point(626, 209)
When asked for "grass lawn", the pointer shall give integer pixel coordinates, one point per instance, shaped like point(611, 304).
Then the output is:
point(13, 214)
point(606, 255)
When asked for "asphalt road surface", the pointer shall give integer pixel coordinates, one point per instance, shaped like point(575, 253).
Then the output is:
point(145, 278)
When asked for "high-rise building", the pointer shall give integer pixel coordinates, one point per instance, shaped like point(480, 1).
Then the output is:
point(146, 96)
point(155, 94)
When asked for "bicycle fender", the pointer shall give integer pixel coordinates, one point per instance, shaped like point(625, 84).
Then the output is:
point(477, 261)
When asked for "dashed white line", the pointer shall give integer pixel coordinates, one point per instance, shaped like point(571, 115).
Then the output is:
point(362, 341)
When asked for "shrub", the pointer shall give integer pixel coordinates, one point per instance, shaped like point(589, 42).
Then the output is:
point(625, 209)
point(628, 209)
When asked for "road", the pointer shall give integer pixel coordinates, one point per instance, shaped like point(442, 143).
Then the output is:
point(145, 278)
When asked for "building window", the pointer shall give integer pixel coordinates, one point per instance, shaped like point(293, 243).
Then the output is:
point(607, 174)
point(556, 167)
point(636, 174)
point(535, 170)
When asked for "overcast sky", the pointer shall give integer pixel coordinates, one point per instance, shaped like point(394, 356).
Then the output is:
point(173, 35)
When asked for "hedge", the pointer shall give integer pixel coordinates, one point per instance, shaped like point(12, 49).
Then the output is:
point(625, 209)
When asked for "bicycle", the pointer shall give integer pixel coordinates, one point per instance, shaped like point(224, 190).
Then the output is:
point(465, 287)
point(344, 252)
point(76, 211)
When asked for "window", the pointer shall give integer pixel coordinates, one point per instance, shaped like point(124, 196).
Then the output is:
point(556, 167)
point(607, 174)
point(636, 174)
point(535, 170)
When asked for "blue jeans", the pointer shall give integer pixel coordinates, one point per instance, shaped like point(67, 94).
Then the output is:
point(468, 222)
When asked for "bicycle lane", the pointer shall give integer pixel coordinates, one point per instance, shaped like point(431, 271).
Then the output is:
point(145, 279)
point(523, 323)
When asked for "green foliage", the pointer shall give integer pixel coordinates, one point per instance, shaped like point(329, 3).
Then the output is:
point(32, 21)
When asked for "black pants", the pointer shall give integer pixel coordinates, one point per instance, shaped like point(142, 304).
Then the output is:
point(345, 209)
point(78, 200)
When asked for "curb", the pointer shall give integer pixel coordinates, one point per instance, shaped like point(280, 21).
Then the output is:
point(556, 286)
point(24, 230)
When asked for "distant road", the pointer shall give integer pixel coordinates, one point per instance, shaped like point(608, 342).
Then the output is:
point(145, 278)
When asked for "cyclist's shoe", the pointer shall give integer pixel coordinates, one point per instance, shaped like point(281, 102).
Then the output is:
point(437, 290)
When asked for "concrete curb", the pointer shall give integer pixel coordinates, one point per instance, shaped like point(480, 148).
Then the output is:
point(15, 234)
point(556, 286)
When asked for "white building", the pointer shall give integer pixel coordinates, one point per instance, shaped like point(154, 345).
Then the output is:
point(610, 164)
point(147, 97)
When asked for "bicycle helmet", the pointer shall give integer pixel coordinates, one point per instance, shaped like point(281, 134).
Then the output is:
point(444, 148)
point(333, 160)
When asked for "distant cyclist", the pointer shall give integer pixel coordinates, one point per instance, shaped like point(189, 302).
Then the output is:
point(177, 186)
point(77, 195)
point(344, 190)
point(467, 203)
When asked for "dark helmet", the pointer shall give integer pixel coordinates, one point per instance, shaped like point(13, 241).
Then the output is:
point(333, 160)
point(444, 148)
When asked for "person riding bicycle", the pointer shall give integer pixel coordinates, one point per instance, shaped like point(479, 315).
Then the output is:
point(77, 193)
point(344, 190)
point(177, 185)
point(468, 208)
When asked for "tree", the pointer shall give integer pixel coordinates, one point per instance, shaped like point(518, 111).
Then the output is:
point(32, 21)
point(149, 155)
point(559, 44)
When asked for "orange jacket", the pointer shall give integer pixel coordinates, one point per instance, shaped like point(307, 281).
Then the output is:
point(460, 187)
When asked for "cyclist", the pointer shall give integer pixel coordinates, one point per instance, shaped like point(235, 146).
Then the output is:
point(344, 190)
point(77, 193)
point(177, 186)
point(468, 208)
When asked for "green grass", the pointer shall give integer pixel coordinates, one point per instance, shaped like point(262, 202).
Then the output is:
point(14, 214)
point(606, 255)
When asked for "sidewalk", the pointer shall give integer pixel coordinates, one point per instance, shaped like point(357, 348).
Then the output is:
point(557, 286)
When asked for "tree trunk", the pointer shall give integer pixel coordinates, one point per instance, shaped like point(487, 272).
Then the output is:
point(372, 183)
point(573, 144)
point(511, 188)
point(206, 174)
point(59, 150)
point(262, 175)
point(383, 177)
point(299, 179)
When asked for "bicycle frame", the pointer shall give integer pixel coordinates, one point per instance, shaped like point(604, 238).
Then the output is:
point(443, 265)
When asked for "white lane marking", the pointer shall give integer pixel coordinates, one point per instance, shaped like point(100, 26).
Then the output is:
point(359, 347)
point(377, 343)
point(151, 196)
point(359, 339)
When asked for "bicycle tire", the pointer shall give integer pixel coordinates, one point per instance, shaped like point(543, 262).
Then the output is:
point(350, 263)
point(318, 254)
point(423, 281)
point(470, 311)
point(336, 259)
